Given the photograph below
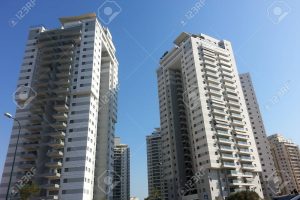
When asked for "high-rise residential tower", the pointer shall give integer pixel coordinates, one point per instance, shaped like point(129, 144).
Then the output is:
point(154, 163)
point(264, 150)
point(67, 104)
point(287, 161)
point(121, 181)
point(208, 147)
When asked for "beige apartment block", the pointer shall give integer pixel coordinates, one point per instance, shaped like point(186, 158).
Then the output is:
point(287, 161)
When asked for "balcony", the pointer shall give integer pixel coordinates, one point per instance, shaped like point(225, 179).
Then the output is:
point(246, 158)
point(62, 75)
point(218, 106)
point(222, 126)
point(232, 97)
point(57, 134)
point(236, 116)
point(55, 153)
point(26, 166)
point(227, 156)
point(236, 128)
point(229, 165)
point(223, 133)
point(238, 123)
point(229, 80)
point(216, 98)
point(51, 187)
point(233, 173)
point(54, 164)
point(61, 108)
point(242, 137)
point(219, 112)
point(57, 143)
point(35, 118)
point(229, 85)
point(225, 58)
point(32, 136)
point(235, 110)
point(245, 151)
point(227, 74)
point(52, 197)
point(247, 175)
point(234, 103)
point(247, 166)
point(215, 92)
point(52, 175)
point(62, 91)
point(226, 148)
point(224, 141)
point(226, 68)
point(243, 144)
point(213, 80)
point(212, 59)
point(60, 116)
point(214, 86)
point(36, 109)
point(211, 69)
point(34, 127)
point(213, 75)
point(62, 82)
point(222, 119)
point(225, 63)
point(30, 146)
point(28, 156)
point(59, 125)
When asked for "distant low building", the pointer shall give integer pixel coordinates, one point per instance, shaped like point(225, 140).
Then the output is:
point(121, 189)
point(154, 156)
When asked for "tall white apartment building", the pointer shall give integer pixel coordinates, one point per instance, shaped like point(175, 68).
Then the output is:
point(264, 150)
point(287, 161)
point(121, 181)
point(208, 147)
point(154, 163)
point(67, 104)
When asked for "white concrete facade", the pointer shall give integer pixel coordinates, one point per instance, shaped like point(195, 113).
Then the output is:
point(67, 128)
point(209, 150)
point(263, 146)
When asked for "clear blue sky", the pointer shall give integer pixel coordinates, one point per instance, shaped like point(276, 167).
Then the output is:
point(143, 31)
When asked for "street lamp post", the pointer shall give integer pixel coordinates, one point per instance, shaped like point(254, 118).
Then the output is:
point(8, 115)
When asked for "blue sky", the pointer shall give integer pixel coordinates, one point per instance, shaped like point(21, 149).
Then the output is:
point(264, 33)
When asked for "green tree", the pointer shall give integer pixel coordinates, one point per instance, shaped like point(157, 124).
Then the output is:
point(28, 190)
point(244, 195)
